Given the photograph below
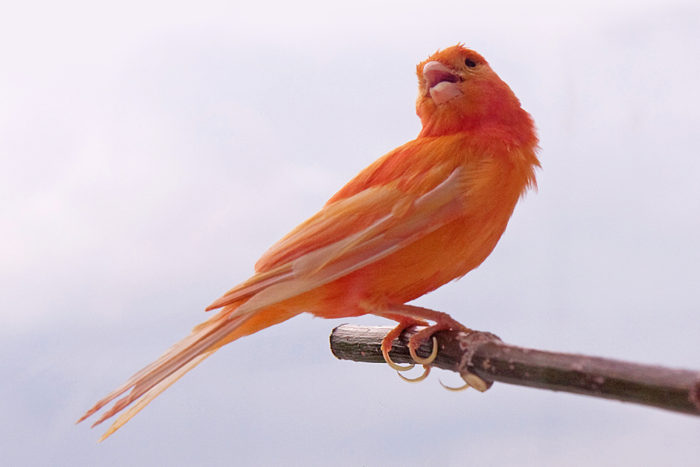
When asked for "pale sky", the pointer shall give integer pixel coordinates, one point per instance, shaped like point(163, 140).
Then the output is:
point(150, 152)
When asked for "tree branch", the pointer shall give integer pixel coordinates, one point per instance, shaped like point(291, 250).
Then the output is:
point(485, 355)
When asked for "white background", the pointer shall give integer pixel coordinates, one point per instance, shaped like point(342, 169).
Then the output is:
point(150, 152)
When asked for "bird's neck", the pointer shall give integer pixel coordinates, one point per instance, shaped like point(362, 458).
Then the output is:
point(515, 122)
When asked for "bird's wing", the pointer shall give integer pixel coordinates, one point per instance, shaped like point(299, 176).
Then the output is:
point(350, 234)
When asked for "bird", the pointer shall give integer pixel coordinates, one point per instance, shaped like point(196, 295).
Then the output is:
point(422, 215)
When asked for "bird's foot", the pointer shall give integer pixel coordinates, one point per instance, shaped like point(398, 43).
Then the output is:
point(444, 322)
point(388, 340)
point(407, 316)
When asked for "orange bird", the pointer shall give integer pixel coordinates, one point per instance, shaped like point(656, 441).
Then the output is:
point(422, 215)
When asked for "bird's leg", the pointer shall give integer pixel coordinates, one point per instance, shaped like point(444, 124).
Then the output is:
point(443, 321)
point(387, 342)
point(410, 315)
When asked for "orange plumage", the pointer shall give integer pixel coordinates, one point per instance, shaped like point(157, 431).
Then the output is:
point(422, 215)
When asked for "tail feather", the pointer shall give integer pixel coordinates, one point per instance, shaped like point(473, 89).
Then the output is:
point(153, 379)
point(138, 376)
point(204, 340)
point(165, 366)
point(153, 393)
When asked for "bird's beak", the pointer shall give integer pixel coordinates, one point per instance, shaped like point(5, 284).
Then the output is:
point(441, 82)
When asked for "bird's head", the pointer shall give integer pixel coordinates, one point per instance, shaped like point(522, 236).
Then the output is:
point(458, 90)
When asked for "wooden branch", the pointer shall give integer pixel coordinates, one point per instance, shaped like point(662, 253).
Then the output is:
point(485, 355)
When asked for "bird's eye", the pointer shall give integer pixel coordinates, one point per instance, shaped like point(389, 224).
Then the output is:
point(469, 62)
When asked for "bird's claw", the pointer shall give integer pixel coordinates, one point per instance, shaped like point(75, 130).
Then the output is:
point(420, 360)
point(455, 389)
point(470, 380)
point(426, 372)
point(429, 359)
point(395, 366)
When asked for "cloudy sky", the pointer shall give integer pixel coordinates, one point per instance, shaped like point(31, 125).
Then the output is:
point(151, 151)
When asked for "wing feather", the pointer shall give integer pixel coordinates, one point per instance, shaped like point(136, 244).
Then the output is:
point(403, 220)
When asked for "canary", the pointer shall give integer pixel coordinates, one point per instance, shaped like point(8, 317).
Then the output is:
point(420, 216)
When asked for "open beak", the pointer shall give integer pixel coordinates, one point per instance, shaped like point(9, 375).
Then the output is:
point(441, 82)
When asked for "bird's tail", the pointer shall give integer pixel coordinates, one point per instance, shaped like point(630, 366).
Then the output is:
point(205, 339)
